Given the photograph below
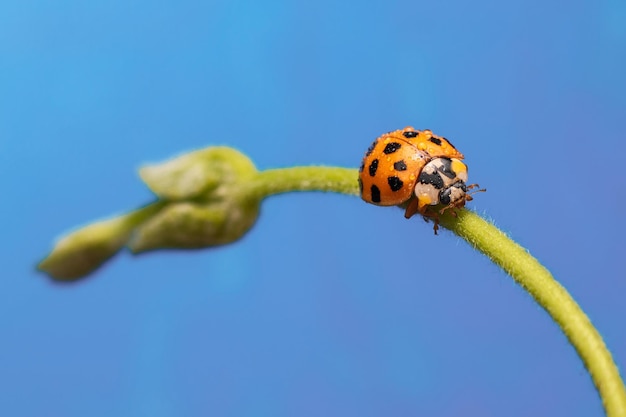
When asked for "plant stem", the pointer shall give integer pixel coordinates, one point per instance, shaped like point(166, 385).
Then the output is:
point(486, 238)
point(549, 294)
point(311, 178)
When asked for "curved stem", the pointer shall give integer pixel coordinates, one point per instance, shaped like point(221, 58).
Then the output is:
point(549, 294)
point(503, 251)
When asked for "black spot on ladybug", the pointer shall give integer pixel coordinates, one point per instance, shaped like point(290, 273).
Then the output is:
point(435, 140)
point(410, 134)
point(361, 167)
point(446, 168)
point(373, 167)
point(375, 194)
point(371, 148)
point(360, 186)
point(434, 179)
point(391, 148)
point(395, 183)
point(399, 166)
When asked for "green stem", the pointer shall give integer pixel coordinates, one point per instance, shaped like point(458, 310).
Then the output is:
point(549, 294)
point(138, 216)
point(312, 178)
point(489, 240)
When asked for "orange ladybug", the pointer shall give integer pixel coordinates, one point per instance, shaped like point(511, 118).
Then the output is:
point(394, 161)
point(415, 169)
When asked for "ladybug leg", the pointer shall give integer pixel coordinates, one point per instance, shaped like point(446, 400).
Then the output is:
point(451, 208)
point(429, 215)
point(411, 208)
point(435, 218)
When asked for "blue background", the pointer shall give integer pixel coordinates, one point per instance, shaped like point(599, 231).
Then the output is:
point(308, 315)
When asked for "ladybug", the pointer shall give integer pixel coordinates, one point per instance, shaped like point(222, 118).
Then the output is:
point(393, 162)
point(415, 169)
